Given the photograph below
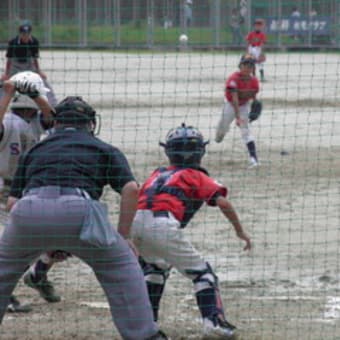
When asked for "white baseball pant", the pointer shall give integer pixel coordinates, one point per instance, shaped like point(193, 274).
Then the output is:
point(228, 115)
point(161, 241)
point(256, 51)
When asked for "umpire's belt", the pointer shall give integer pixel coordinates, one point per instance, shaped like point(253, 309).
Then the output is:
point(52, 191)
point(161, 213)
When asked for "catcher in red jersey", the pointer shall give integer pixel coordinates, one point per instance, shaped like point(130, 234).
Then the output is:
point(241, 88)
point(256, 40)
point(168, 200)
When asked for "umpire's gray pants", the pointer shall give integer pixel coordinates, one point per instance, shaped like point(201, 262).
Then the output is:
point(39, 223)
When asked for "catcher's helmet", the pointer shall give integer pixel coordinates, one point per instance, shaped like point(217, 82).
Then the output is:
point(185, 146)
point(73, 110)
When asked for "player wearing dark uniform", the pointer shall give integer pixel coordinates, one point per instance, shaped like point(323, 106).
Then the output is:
point(167, 202)
point(54, 205)
point(23, 55)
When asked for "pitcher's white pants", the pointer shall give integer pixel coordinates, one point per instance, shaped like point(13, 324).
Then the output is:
point(228, 115)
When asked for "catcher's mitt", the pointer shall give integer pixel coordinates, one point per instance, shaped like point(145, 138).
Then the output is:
point(255, 110)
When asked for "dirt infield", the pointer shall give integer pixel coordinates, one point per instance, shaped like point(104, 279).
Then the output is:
point(288, 286)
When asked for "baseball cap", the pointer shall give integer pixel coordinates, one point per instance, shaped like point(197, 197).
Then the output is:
point(25, 27)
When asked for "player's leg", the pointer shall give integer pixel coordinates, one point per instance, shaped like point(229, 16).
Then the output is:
point(12, 266)
point(116, 267)
point(15, 255)
point(227, 117)
point(122, 280)
point(250, 50)
point(161, 238)
point(156, 271)
point(155, 276)
point(247, 137)
point(184, 257)
point(15, 306)
point(256, 52)
point(36, 278)
point(259, 58)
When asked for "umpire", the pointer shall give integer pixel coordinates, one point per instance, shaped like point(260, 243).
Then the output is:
point(54, 205)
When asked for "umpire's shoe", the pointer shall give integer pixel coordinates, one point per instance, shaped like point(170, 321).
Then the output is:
point(15, 306)
point(160, 335)
point(44, 287)
point(215, 328)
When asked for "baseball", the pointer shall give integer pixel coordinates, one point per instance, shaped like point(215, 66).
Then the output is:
point(183, 38)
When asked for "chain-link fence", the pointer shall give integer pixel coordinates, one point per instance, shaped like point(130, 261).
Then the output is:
point(152, 23)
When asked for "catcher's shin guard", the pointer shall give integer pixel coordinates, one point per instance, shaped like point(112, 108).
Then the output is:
point(155, 279)
point(155, 292)
point(207, 293)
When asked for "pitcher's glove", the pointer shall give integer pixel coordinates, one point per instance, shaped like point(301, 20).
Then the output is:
point(255, 110)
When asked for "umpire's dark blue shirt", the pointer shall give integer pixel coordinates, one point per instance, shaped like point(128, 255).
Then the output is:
point(72, 158)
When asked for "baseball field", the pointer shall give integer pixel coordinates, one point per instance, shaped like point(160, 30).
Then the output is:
point(288, 286)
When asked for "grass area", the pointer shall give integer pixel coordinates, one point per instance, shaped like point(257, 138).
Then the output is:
point(135, 35)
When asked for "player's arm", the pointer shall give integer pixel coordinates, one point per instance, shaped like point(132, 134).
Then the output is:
point(128, 207)
point(47, 111)
point(10, 203)
point(5, 76)
point(18, 184)
point(9, 90)
point(236, 105)
point(230, 213)
point(9, 55)
point(33, 90)
point(121, 179)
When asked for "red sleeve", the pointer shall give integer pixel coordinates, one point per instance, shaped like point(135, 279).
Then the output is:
point(210, 189)
point(231, 83)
